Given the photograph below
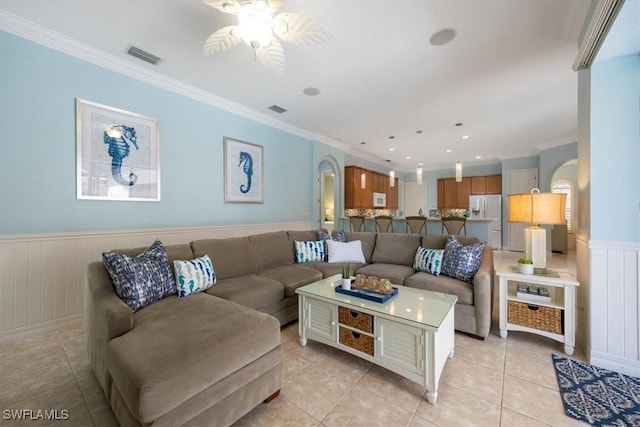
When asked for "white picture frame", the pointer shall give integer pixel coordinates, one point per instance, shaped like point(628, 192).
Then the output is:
point(117, 154)
point(243, 172)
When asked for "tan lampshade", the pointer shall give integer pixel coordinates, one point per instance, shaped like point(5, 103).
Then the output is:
point(537, 208)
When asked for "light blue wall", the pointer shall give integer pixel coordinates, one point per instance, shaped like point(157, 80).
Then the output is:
point(38, 88)
point(615, 150)
point(551, 159)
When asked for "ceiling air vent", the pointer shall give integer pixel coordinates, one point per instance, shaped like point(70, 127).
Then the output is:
point(144, 55)
point(278, 109)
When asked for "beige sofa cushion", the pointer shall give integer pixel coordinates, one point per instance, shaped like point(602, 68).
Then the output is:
point(395, 273)
point(230, 257)
point(251, 290)
point(292, 276)
point(396, 248)
point(181, 346)
point(271, 249)
point(445, 284)
point(368, 240)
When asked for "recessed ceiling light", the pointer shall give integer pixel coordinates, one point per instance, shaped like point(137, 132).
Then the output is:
point(408, 157)
point(419, 164)
point(442, 37)
point(392, 149)
point(478, 157)
point(449, 150)
point(311, 91)
point(465, 136)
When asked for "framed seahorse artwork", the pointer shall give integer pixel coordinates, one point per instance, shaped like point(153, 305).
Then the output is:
point(243, 177)
point(117, 154)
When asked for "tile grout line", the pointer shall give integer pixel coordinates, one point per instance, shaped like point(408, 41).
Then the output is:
point(75, 377)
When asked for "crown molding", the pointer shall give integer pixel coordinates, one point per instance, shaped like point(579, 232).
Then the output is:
point(41, 35)
point(558, 142)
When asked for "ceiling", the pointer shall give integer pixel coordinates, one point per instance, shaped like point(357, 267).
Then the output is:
point(506, 75)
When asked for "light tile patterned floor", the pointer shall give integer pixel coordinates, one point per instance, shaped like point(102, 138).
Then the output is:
point(497, 382)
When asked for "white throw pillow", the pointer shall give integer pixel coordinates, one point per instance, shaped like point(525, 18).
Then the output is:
point(345, 251)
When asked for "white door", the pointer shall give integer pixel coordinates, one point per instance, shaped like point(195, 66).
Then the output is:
point(415, 198)
point(520, 181)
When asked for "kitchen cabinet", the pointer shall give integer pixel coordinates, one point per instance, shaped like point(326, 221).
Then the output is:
point(494, 184)
point(455, 195)
point(463, 191)
point(450, 196)
point(380, 183)
point(478, 185)
point(356, 197)
point(392, 195)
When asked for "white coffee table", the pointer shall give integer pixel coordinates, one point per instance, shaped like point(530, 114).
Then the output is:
point(411, 334)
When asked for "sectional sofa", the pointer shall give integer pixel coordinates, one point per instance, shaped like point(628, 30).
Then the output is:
point(209, 358)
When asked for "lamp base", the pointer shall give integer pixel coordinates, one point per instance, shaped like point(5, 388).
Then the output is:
point(536, 245)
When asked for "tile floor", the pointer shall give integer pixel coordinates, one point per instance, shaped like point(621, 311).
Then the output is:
point(497, 382)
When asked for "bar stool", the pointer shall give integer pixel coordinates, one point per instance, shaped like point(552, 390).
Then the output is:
point(357, 222)
point(453, 224)
point(384, 223)
point(416, 224)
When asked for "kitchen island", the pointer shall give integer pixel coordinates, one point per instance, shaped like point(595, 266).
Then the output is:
point(480, 228)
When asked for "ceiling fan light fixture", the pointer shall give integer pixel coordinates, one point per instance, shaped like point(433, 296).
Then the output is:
point(262, 29)
point(254, 25)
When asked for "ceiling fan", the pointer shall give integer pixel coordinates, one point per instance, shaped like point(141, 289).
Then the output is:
point(261, 28)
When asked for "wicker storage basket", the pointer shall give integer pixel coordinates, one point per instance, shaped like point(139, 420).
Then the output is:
point(355, 319)
point(535, 316)
point(353, 339)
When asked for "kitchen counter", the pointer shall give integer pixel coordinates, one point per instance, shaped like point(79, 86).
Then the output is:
point(477, 227)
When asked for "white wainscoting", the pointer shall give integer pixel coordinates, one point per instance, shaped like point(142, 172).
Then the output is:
point(42, 276)
point(615, 305)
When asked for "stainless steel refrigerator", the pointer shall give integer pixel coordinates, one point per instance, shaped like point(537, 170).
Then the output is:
point(489, 207)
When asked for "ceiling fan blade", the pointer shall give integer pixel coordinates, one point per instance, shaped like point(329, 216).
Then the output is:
point(226, 6)
point(221, 40)
point(272, 56)
point(274, 4)
point(298, 29)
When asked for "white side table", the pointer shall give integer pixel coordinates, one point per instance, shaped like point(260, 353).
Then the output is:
point(562, 289)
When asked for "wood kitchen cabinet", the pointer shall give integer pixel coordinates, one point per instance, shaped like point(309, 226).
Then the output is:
point(392, 195)
point(356, 197)
point(478, 185)
point(463, 191)
point(380, 183)
point(494, 184)
point(455, 195)
point(450, 194)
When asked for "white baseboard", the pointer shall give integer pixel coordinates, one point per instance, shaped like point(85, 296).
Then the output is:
point(615, 363)
point(40, 328)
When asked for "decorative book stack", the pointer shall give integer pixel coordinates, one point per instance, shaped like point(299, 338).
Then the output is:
point(533, 293)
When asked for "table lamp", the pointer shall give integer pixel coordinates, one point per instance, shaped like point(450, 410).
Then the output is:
point(537, 208)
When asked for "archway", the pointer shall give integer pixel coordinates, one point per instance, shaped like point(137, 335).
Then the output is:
point(329, 196)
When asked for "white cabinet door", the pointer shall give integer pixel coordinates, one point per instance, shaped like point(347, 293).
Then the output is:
point(321, 319)
point(399, 346)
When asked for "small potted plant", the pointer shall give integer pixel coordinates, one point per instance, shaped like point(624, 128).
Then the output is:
point(525, 266)
point(346, 276)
